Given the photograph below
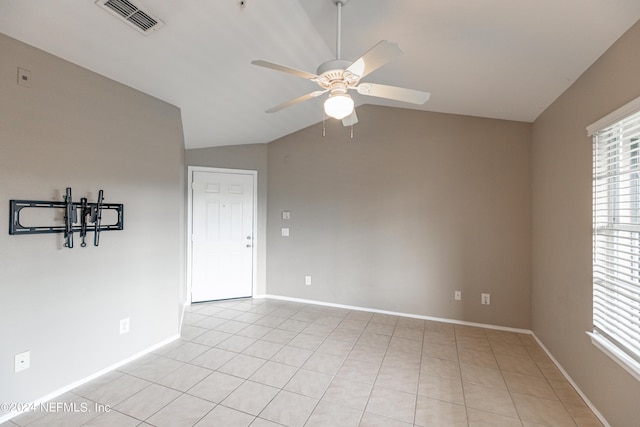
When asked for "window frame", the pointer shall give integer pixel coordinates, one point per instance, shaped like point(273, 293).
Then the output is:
point(629, 359)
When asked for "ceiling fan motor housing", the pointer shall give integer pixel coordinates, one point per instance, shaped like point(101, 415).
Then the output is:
point(333, 75)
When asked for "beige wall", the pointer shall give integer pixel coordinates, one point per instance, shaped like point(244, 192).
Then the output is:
point(416, 206)
point(248, 157)
point(561, 163)
point(75, 128)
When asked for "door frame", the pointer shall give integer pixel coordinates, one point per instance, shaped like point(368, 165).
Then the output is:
point(254, 225)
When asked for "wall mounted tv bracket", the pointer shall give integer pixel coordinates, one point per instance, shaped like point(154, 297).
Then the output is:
point(89, 214)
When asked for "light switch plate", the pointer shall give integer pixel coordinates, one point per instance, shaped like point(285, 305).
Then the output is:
point(285, 232)
point(286, 215)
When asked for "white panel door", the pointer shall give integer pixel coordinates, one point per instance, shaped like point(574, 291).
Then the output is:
point(222, 238)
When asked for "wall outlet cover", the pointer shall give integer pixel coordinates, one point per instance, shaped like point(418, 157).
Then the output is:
point(24, 77)
point(124, 326)
point(486, 299)
point(22, 361)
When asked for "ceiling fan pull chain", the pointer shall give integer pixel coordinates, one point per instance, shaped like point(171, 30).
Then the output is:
point(324, 116)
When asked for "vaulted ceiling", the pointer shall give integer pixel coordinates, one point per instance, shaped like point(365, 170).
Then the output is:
point(505, 59)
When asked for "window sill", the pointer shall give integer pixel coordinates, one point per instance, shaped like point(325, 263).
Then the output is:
point(621, 358)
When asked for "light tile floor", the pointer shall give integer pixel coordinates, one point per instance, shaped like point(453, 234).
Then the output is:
point(263, 363)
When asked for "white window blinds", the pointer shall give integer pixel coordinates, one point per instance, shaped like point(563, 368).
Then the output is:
point(616, 232)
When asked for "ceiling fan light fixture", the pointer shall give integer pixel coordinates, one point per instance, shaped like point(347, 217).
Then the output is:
point(338, 106)
point(338, 76)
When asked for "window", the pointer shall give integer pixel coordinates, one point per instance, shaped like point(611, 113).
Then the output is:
point(616, 235)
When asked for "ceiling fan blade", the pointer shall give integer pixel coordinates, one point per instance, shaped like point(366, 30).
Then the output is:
point(284, 69)
point(296, 101)
point(351, 119)
point(392, 92)
point(375, 58)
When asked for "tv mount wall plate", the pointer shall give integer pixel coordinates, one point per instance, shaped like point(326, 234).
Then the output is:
point(79, 217)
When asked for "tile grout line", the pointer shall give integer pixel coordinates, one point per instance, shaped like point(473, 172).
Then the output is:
point(299, 310)
point(515, 407)
point(464, 398)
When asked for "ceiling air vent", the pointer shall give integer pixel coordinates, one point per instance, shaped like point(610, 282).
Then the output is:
point(133, 15)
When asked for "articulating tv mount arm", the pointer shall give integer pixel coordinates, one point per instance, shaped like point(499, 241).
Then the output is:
point(90, 217)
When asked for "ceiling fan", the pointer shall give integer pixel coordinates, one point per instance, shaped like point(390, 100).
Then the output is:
point(338, 76)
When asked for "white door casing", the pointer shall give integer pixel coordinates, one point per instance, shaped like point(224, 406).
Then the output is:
point(222, 254)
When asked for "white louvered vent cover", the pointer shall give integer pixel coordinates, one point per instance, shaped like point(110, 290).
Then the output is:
point(133, 15)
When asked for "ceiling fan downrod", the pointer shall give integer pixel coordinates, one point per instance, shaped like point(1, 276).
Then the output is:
point(339, 4)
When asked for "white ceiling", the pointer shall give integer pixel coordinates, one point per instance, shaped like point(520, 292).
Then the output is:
point(506, 59)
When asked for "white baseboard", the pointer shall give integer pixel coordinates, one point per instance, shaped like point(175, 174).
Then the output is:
point(93, 376)
point(396, 313)
point(575, 386)
point(185, 306)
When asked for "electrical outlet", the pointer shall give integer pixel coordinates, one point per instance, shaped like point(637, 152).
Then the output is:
point(486, 299)
point(307, 280)
point(285, 232)
point(22, 361)
point(124, 326)
point(457, 295)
